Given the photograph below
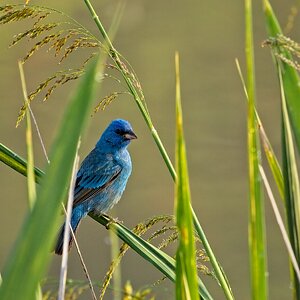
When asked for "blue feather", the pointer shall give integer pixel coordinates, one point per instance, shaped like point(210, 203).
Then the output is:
point(102, 177)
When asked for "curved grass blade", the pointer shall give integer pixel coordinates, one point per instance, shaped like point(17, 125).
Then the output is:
point(291, 183)
point(132, 87)
point(280, 223)
point(270, 154)
point(290, 93)
point(156, 257)
point(186, 270)
point(32, 248)
point(67, 233)
point(18, 163)
point(145, 113)
point(30, 170)
point(257, 240)
point(272, 159)
point(290, 79)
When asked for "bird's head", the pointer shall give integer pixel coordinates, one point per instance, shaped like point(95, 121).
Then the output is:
point(118, 134)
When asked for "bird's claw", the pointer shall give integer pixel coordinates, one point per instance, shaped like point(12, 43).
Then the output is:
point(112, 221)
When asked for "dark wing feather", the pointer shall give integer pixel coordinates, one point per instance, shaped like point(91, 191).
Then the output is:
point(92, 182)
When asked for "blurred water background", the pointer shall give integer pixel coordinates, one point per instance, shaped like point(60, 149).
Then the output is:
point(209, 35)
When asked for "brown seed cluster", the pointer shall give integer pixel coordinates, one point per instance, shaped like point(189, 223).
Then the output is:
point(285, 49)
point(168, 233)
point(63, 37)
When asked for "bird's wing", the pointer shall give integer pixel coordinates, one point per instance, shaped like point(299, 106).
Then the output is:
point(92, 182)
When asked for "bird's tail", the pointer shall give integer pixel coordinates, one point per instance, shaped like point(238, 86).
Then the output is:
point(75, 220)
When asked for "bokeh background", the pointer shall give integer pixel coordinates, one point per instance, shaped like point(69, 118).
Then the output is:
point(209, 35)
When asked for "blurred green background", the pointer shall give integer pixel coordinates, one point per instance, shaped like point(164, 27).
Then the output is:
point(209, 35)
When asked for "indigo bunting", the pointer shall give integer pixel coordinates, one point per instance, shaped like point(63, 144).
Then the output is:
point(102, 176)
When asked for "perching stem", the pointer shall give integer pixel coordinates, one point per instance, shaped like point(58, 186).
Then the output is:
point(115, 57)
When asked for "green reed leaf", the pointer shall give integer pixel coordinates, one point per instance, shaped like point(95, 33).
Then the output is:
point(17, 163)
point(161, 261)
point(270, 154)
point(186, 270)
point(291, 183)
point(30, 168)
point(31, 251)
point(290, 93)
point(290, 79)
point(257, 240)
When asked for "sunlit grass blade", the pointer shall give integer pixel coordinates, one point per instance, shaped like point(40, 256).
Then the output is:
point(30, 166)
point(31, 190)
point(30, 169)
point(257, 240)
point(218, 270)
point(186, 270)
point(67, 233)
point(280, 223)
point(290, 78)
point(270, 154)
point(291, 183)
point(156, 257)
point(272, 160)
point(116, 278)
point(290, 93)
point(17, 163)
point(31, 252)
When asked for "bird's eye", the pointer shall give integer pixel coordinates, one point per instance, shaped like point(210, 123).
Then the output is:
point(119, 131)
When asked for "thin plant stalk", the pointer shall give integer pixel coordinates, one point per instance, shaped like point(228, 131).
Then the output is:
point(24, 89)
point(280, 223)
point(143, 109)
point(145, 113)
point(116, 278)
point(85, 270)
point(221, 276)
point(64, 261)
point(30, 168)
point(30, 157)
point(257, 240)
point(270, 154)
point(38, 132)
point(17, 163)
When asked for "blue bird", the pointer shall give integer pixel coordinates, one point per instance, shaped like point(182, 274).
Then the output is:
point(102, 177)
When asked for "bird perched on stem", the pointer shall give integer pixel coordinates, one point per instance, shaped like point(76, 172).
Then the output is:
point(102, 177)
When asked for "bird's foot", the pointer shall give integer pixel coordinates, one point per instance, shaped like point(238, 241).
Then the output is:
point(112, 221)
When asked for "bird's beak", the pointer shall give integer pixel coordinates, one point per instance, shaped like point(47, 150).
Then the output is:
point(130, 135)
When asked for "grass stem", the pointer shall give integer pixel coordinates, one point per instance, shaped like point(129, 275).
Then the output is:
point(143, 109)
point(64, 261)
point(280, 223)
